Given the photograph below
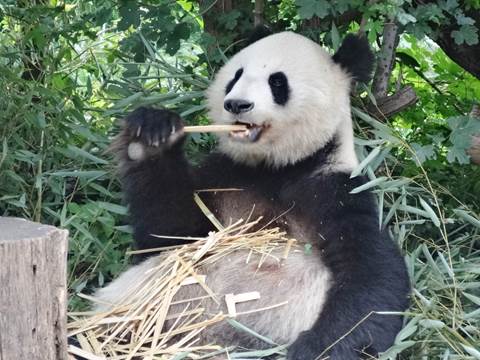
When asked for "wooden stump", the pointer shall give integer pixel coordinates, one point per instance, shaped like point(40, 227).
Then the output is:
point(33, 293)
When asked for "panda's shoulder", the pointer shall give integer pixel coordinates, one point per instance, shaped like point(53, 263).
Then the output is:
point(335, 188)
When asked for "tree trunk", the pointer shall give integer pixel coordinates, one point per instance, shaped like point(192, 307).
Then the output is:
point(33, 262)
point(385, 60)
point(474, 150)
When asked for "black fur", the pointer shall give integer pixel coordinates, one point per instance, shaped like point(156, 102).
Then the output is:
point(259, 32)
point(368, 272)
point(279, 85)
point(355, 56)
point(153, 208)
point(231, 83)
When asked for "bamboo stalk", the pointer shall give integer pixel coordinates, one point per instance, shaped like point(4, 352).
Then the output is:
point(214, 128)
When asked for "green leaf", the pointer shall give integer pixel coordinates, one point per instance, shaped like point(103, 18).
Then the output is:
point(449, 5)
point(365, 162)
point(87, 174)
point(472, 298)
point(182, 31)
point(249, 331)
point(467, 34)
point(335, 37)
point(432, 324)
point(423, 152)
point(114, 208)
point(471, 351)
point(230, 19)
point(463, 127)
point(464, 20)
point(457, 154)
point(369, 185)
point(129, 13)
point(467, 217)
point(309, 8)
point(404, 18)
point(433, 216)
point(76, 152)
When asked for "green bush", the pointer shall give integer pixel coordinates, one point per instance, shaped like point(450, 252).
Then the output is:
point(70, 70)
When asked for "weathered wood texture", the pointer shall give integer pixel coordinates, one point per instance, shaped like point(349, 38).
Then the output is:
point(474, 150)
point(33, 263)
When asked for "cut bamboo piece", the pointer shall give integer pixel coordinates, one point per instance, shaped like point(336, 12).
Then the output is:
point(231, 301)
point(214, 128)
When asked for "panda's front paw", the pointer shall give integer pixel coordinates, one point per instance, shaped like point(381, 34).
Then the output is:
point(150, 131)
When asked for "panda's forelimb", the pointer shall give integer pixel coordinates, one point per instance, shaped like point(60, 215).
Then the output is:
point(349, 324)
point(158, 181)
point(368, 274)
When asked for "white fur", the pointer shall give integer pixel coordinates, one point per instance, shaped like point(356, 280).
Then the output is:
point(318, 107)
point(301, 280)
point(136, 151)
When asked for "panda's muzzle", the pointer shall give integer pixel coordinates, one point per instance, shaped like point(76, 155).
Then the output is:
point(238, 106)
point(251, 134)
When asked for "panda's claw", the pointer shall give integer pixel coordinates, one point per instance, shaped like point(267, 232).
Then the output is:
point(155, 129)
point(156, 141)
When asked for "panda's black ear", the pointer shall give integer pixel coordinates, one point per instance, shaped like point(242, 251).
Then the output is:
point(258, 32)
point(356, 57)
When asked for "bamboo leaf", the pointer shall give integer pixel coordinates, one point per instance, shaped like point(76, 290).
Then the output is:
point(369, 185)
point(430, 212)
point(467, 217)
point(365, 162)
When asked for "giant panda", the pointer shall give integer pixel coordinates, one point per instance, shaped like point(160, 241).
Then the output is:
point(293, 164)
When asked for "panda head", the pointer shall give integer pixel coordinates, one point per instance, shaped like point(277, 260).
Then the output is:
point(293, 96)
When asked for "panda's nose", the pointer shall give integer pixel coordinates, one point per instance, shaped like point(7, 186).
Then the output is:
point(237, 106)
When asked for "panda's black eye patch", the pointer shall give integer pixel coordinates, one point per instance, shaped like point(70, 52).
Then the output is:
point(232, 82)
point(279, 86)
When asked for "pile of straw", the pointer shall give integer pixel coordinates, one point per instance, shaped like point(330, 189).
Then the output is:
point(136, 329)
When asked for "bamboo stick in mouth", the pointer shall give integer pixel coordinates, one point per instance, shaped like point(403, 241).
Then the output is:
point(214, 128)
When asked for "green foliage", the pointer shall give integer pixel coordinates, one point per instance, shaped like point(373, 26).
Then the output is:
point(466, 34)
point(417, 18)
point(307, 8)
point(70, 70)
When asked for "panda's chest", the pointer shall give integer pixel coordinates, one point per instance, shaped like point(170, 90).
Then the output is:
point(251, 204)
point(230, 206)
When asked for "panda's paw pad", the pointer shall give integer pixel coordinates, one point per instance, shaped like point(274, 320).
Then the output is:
point(152, 130)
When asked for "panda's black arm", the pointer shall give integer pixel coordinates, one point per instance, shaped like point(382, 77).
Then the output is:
point(158, 182)
point(367, 272)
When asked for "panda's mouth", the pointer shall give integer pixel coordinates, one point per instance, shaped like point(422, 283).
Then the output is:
point(251, 134)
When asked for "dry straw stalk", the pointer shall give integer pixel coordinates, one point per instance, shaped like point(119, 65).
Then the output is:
point(136, 328)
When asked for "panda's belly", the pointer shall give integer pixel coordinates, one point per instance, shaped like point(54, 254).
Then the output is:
point(292, 293)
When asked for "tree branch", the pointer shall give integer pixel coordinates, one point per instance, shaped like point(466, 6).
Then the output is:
point(258, 13)
point(390, 105)
point(385, 60)
point(387, 106)
point(474, 150)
